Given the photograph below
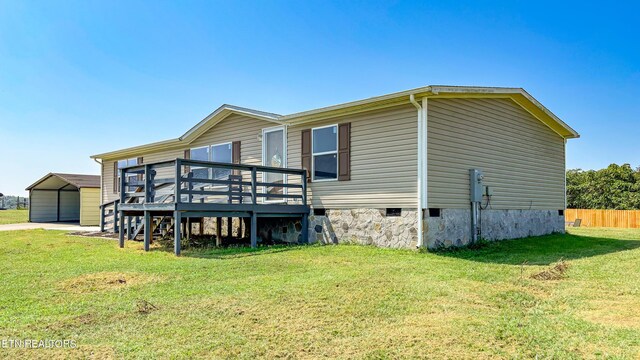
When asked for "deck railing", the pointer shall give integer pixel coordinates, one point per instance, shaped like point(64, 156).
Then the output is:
point(109, 215)
point(192, 181)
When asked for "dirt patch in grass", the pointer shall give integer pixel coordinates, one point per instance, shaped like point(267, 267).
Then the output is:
point(80, 352)
point(620, 311)
point(145, 307)
point(69, 323)
point(555, 272)
point(104, 281)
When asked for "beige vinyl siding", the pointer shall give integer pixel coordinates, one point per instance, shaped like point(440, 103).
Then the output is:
point(233, 128)
point(522, 159)
point(89, 206)
point(383, 161)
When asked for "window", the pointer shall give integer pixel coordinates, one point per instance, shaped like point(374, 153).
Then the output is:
point(124, 164)
point(216, 153)
point(221, 153)
point(202, 154)
point(324, 145)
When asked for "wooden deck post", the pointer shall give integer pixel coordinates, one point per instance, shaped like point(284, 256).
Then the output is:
point(187, 230)
point(218, 231)
point(101, 218)
point(254, 230)
point(122, 229)
point(148, 233)
point(129, 225)
point(176, 231)
point(229, 227)
point(305, 228)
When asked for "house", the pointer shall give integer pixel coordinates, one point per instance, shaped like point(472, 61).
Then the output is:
point(435, 166)
point(60, 197)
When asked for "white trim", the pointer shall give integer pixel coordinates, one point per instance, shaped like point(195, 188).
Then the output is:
point(420, 171)
point(284, 159)
point(425, 152)
point(314, 154)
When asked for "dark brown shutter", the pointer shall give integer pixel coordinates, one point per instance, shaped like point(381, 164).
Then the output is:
point(139, 161)
point(344, 152)
point(115, 177)
point(235, 155)
point(235, 152)
point(187, 155)
point(306, 152)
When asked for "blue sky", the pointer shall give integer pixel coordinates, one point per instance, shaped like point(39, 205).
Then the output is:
point(75, 74)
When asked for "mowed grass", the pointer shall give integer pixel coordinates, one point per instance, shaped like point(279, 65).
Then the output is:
point(14, 216)
point(323, 301)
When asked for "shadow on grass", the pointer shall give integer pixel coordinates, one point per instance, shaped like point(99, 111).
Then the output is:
point(233, 252)
point(543, 250)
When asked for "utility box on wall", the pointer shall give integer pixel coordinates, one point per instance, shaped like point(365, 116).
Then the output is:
point(475, 182)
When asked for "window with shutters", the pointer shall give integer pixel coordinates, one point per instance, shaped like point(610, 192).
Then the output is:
point(324, 157)
point(123, 164)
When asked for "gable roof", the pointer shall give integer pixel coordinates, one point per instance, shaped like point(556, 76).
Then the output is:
point(205, 124)
point(518, 95)
point(77, 180)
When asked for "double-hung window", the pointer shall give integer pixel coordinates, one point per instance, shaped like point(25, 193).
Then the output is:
point(324, 157)
point(123, 164)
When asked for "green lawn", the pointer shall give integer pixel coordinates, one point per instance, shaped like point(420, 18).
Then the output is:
point(14, 216)
point(323, 301)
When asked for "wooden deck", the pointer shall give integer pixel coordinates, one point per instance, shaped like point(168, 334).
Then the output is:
point(183, 189)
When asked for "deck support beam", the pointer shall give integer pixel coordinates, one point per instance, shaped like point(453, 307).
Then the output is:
point(254, 230)
point(177, 215)
point(129, 225)
point(218, 231)
point(305, 229)
point(121, 229)
point(148, 232)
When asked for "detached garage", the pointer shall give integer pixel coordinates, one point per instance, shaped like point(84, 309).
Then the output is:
point(65, 197)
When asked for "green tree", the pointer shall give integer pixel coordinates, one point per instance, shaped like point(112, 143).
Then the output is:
point(614, 187)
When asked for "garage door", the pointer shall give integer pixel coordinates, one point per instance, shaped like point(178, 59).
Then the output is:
point(44, 205)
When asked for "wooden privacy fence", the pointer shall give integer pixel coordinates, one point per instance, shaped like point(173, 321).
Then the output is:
point(605, 218)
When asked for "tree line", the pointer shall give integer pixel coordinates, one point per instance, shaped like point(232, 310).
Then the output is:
point(614, 187)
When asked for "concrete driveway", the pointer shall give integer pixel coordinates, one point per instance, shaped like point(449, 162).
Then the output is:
point(50, 226)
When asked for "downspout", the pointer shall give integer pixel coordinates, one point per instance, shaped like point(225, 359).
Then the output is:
point(420, 215)
point(101, 171)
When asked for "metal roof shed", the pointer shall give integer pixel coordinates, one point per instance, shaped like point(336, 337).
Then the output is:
point(60, 197)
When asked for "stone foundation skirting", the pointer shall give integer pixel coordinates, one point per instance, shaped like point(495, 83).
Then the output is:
point(365, 227)
point(452, 227)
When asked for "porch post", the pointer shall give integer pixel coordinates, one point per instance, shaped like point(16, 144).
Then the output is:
point(121, 228)
point(218, 231)
point(254, 230)
point(147, 230)
point(101, 218)
point(129, 232)
point(177, 215)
